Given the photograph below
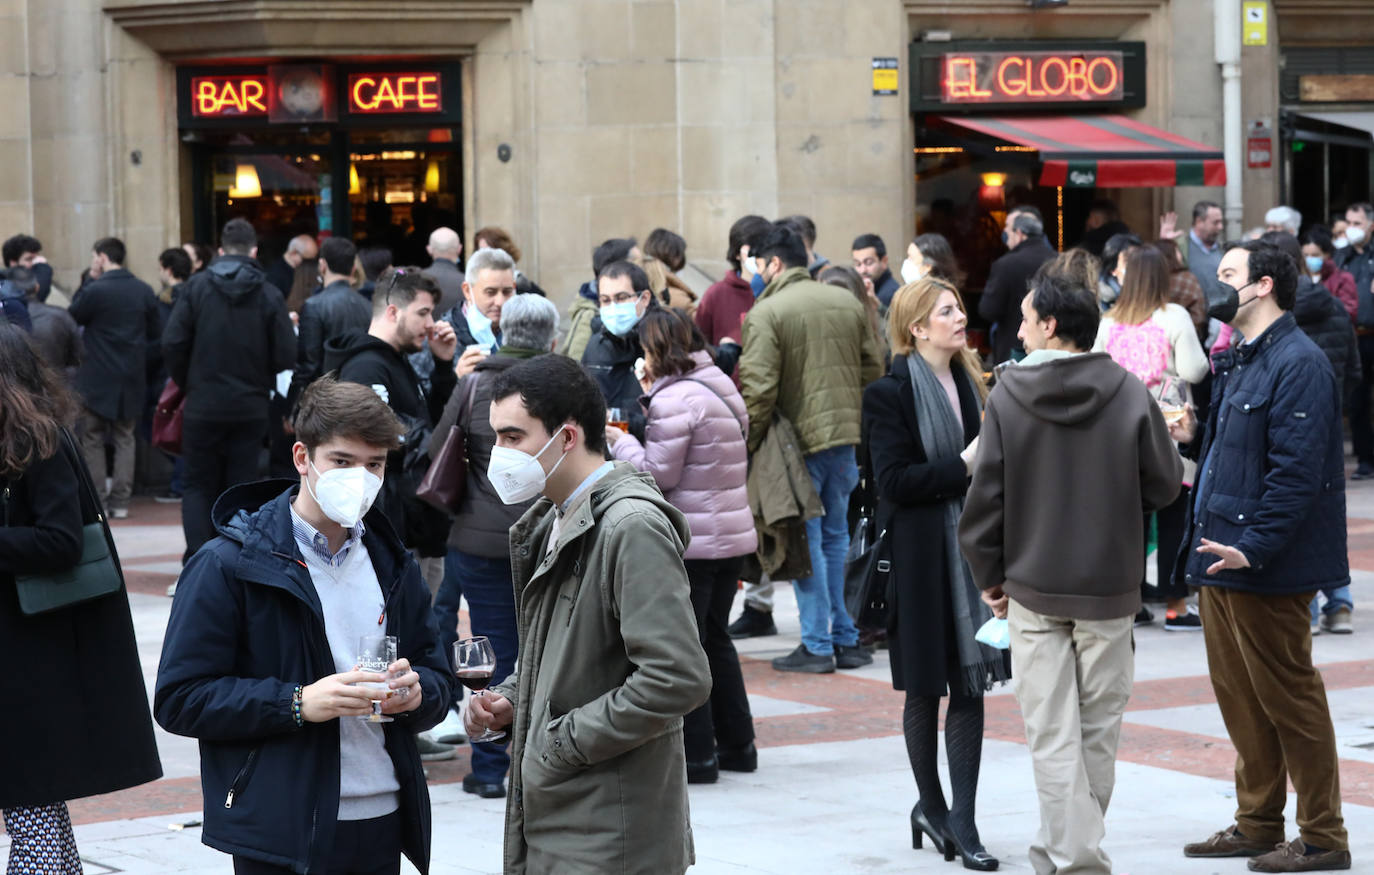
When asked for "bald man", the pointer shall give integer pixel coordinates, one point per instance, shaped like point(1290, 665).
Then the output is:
point(282, 273)
point(445, 247)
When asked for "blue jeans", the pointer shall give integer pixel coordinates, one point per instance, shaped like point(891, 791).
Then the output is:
point(1336, 598)
point(825, 622)
point(486, 583)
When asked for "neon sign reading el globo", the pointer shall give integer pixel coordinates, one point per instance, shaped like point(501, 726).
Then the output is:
point(370, 93)
point(217, 96)
point(1032, 77)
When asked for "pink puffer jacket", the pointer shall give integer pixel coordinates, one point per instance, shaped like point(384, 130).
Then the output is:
point(695, 452)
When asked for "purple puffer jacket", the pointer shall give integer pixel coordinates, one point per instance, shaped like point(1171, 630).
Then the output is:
point(694, 450)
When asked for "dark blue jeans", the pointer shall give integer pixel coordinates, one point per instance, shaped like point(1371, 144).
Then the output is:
point(486, 584)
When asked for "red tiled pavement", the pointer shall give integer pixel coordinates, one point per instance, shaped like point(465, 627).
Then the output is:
point(861, 709)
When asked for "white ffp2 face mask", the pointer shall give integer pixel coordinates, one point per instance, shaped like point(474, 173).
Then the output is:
point(345, 495)
point(517, 476)
point(910, 272)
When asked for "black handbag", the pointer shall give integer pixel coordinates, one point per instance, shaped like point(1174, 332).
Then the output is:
point(868, 564)
point(95, 575)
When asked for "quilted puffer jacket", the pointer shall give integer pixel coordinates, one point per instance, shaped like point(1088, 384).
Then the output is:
point(694, 449)
point(1272, 480)
point(808, 353)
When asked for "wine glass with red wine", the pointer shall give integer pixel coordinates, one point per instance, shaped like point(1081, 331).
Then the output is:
point(475, 662)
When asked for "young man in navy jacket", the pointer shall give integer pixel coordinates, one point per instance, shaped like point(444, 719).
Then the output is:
point(260, 649)
point(1266, 530)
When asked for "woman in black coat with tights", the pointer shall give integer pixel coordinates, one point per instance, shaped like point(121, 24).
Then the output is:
point(92, 733)
point(921, 423)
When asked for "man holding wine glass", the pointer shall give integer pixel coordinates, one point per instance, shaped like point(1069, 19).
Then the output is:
point(610, 660)
point(287, 631)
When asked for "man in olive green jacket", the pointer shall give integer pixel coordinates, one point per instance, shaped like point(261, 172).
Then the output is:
point(609, 657)
point(808, 353)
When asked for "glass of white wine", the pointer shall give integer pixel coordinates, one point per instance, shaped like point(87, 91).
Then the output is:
point(1171, 394)
point(376, 653)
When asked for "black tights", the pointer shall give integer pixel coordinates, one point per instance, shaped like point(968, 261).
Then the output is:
point(964, 748)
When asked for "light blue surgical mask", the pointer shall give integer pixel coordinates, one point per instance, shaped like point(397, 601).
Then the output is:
point(620, 319)
point(479, 326)
point(1314, 263)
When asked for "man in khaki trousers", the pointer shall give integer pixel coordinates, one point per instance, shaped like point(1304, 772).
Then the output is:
point(1072, 449)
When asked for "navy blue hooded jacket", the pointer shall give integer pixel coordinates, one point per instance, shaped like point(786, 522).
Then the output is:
point(1274, 480)
point(246, 628)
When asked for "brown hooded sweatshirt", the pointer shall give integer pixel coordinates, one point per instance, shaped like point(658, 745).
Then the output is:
point(1073, 450)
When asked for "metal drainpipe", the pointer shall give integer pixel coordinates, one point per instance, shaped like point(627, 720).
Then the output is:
point(1228, 27)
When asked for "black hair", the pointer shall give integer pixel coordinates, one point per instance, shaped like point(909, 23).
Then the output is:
point(615, 249)
point(375, 259)
point(639, 280)
point(783, 242)
point(177, 261)
point(1107, 208)
point(667, 247)
point(18, 246)
point(204, 254)
point(554, 390)
point(805, 227)
point(1285, 241)
point(1320, 237)
point(870, 241)
point(1201, 208)
point(112, 248)
point(399, 286)
point(1073, 306)
point(745, 230)
point(1115, 245)
point(338, 254)
point(238, 237)
point(1266, 259)
point(1364, 207)
point(937, 252)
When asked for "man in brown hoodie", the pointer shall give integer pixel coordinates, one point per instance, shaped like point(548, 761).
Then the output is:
point(1073, 449)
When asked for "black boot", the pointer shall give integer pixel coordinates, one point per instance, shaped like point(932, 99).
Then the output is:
point(753, 623)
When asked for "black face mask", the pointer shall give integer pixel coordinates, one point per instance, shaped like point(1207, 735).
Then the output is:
point(1223, 301)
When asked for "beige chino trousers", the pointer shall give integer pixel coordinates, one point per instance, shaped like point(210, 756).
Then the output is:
point(1073, 679)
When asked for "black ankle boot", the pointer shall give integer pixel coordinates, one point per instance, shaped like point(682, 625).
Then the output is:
point(704, 772)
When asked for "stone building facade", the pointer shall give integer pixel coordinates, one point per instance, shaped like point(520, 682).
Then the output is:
point(580, 119)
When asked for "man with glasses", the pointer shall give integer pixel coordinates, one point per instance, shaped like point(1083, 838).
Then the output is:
point(623, 296)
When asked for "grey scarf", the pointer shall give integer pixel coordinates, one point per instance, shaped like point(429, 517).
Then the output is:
point(942, 435)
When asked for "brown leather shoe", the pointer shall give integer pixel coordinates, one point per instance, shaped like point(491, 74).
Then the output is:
point(1228, 843)
point(1293, 857)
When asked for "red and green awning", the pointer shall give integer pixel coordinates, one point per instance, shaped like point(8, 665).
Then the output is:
point(1103, 151)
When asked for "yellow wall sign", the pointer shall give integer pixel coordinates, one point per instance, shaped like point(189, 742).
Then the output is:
point(1255, 25)
point(886, 79)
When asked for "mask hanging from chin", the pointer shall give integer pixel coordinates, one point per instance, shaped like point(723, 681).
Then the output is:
point(479, 326)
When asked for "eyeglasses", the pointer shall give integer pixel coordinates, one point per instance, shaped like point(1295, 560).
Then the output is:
point(396, 274)
point(621, 298)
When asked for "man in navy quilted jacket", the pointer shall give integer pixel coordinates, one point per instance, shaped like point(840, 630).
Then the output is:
point(1266, 530)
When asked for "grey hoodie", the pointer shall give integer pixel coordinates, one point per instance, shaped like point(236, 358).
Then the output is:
point(1073, 450)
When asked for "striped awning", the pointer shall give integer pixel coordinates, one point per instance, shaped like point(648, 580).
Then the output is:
point(1102, 151)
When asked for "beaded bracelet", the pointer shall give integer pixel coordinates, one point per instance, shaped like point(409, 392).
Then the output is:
point(296, 698)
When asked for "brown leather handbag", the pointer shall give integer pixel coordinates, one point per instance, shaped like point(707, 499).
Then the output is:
point(446, 480)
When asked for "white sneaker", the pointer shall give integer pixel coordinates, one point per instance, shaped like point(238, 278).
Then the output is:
point(451, 731)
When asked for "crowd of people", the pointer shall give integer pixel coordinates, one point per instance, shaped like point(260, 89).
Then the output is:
point(365, 447)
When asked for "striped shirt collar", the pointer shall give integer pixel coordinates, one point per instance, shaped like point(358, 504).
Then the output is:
point(309, 538)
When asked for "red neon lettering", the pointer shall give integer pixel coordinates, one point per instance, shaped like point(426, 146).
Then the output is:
point(965, 86)
point(1092, 76)
point(1078, 77)
point(1016, 87)
point(221, 95)
point(1045, 76)
point(399, 92)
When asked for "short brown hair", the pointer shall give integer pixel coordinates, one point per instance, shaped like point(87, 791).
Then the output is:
point(667, 336)
point(331, 409)
point(497, 238)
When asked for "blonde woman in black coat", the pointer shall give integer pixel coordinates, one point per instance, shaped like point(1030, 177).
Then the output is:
point(921, 425)
point(93, 733)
